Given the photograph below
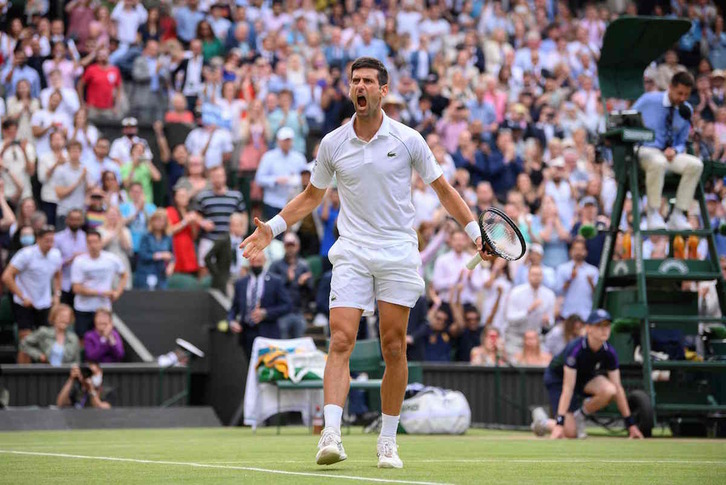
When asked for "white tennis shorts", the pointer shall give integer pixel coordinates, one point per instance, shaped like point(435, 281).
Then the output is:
point(363, 275)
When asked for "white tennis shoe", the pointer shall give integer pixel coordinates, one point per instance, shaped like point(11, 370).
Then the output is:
point(330, 447)
point(539, 421)
point(388, 453)
point(580, 425)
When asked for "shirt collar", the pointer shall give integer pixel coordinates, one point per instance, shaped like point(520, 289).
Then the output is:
point(383, 130)
point(666, 100)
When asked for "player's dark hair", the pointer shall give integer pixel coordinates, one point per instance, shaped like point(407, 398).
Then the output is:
point(683, 78)
point(371, 63)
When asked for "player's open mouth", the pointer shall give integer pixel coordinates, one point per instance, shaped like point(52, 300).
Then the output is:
point(362, 101)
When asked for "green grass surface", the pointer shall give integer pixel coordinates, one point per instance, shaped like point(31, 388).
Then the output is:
point(235, 455)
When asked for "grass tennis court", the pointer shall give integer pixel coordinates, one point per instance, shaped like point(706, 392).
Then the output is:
point(224, 455)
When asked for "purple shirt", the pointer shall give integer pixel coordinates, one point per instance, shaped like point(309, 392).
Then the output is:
point(69, 246)
point(98, 349)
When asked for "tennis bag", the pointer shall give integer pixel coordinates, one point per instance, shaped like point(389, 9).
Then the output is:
point(436, 411)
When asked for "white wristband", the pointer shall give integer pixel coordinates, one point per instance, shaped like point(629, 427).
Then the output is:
point(473, 230)
point(278, 225)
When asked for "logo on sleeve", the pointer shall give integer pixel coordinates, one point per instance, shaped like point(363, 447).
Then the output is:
point(571, 361)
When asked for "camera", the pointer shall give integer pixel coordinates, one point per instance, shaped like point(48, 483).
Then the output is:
point(86, 371)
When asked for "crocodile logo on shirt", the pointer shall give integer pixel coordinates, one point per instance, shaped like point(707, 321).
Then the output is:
point(391, 154)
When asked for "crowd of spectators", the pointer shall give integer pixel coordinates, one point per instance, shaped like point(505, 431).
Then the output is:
point(504, 92)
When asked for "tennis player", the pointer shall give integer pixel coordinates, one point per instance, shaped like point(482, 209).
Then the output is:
point(376, 257)
point(587, 369)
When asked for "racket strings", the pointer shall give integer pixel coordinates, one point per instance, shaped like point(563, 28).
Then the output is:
point(502, 236)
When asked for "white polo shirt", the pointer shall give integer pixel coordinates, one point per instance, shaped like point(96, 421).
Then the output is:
point(374, 181)
point(35, 274)
point(221, 143)
point(96, 274)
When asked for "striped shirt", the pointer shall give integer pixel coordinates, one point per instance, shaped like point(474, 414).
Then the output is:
point(217, 208)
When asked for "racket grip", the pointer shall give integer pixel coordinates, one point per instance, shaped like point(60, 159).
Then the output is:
point(474, 262)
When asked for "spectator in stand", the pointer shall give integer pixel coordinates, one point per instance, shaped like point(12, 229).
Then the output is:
point(184, 228)
point(328, 212)
point(151, 79)
point(530, 306)
point(69, 104)
point(253, 137)
point(559, 188)
point(496, 288)
point(110, 186)
point(92, 277)
point(469, 157)
point(439, 340)
point(18, 163)
point(188, 75)
point(535, 254)
point(194, 180)
point(589, 216)
point(116, 238)
point(21, 108)
point(213, 144)
point(450, 271)
point(56, 344)
point(504, 164)
point(491, 351)
point(140, 170)
point(298, 279)
point(531, 354)
point(95, 210)
point(103, 344)
point(80, 391)
point(155, 255)
point(85, 133)
point(279, 173)
point(121, 147)
point(102, 85)
point(179, 112)
point(47, 165)
point(136, 212)
point(19, 70)
point(225, 258)
point(128, 15)
point(260, 299)
point(97, 162)
point(215, 206)
point(30, 276)
point(47, 121)
point(549, 228)
point(71, 242)
point(576, 281)
point(71, 183)
point(187, 18)
point(563, 333)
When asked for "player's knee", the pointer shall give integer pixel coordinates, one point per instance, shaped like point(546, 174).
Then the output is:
point(342, 343)
point(608, 391)
point(393, 349)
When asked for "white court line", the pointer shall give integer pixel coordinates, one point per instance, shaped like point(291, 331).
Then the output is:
point(224, 467)
point(580, 460)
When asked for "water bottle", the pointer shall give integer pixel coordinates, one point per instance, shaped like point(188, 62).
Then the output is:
point(318, 421)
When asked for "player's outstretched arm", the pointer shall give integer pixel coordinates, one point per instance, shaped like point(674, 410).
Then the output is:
point(622, 402)
point(295, 210)
point(457, 208)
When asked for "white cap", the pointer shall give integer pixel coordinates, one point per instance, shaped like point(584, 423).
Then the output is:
point(285, 133)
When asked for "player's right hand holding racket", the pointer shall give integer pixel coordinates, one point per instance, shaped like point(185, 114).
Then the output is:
point(258, 240)
point(500, 237)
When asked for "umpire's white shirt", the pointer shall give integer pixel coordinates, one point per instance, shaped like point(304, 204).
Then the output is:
point(35, 273)
point(374, 181)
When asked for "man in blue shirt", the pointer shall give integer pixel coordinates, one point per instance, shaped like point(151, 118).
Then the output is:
point(668, 115)
point(587, 368)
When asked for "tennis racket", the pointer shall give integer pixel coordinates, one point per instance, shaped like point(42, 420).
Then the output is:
point(500, 236)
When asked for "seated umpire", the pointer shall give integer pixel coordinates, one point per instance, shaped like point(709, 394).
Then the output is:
point(669, 116)
point(581, 380)
point(260, 299)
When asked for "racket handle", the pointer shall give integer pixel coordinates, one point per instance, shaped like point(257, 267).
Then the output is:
point(474, 262)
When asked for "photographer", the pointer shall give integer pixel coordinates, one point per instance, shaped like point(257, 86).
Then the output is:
point(83, 388)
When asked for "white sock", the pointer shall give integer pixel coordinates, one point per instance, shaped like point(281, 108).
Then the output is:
point(333, 414)
point(390, 426)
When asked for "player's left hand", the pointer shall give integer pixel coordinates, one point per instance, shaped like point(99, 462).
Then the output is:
point(485, 251)
point(634, 433)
